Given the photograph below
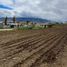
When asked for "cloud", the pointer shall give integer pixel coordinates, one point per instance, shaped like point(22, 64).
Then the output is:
point(5, 7)
point(47, 9)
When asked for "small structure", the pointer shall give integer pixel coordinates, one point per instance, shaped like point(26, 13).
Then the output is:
point(44, 25)
point(12, 25)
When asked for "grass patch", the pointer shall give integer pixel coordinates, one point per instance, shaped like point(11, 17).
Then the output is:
point(30, 28)
point(24, 28)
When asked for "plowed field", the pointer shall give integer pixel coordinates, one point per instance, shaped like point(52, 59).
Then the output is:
point(31, 48)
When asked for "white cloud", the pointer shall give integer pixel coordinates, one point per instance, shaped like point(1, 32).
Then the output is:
point(8, 13)
point(49, 9)
point(7, 2)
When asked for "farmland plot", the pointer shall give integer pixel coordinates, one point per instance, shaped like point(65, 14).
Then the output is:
point(32, 48)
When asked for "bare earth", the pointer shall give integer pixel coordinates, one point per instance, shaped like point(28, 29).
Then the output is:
point(6, 29)
point(34, 48)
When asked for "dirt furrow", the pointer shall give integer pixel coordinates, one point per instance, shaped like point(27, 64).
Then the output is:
point(27, 53)
point(21, 48)
point(49, 56)
point(37, 54)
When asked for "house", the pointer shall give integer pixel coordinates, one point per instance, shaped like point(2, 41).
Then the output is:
point(12, 25)
point(25, 24)
point(44, 25)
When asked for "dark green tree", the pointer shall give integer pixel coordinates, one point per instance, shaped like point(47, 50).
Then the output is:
point(27, 22)
point(5, 20)
point(14, 19)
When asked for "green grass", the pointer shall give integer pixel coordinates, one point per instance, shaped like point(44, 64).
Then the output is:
point(1, 27)
point(38, 28)
point(30, 28)
point(24, 28)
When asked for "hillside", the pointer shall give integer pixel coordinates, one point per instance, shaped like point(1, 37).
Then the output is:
point(32, 19)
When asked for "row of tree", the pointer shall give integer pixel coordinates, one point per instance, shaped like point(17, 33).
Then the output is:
point(6, 20)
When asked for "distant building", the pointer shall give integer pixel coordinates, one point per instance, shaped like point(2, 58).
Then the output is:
point(45, 25)
point(14, 24)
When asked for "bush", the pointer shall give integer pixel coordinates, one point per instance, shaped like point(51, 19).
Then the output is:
point(24, 28)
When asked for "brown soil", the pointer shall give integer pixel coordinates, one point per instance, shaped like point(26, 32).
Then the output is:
point(34, 48)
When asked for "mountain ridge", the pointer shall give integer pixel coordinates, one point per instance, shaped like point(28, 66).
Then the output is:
point(32, 19)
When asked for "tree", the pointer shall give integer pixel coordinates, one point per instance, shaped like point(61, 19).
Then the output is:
point(27, 22)
point(14, 19)
point(5, 21)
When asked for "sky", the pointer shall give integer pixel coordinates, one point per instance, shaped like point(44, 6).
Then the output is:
point(47, 9)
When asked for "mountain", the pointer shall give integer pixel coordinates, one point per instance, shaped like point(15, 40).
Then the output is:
point(32, 19)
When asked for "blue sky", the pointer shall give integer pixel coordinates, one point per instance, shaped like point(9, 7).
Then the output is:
point(47, 9)
point(5, 7)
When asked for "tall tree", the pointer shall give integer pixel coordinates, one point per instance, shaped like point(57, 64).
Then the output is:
point(14, 19)
point(27, 22)
point(5, 21)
